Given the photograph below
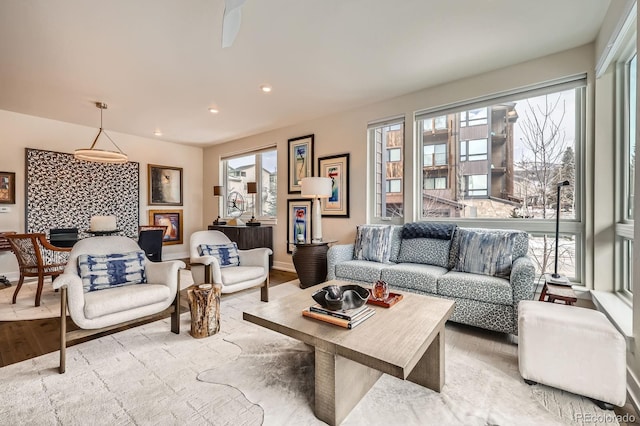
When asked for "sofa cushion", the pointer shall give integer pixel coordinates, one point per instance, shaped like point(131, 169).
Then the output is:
point(114, 300)
point(487, 252)
point(227, 254)
point(476, 287)
point(373, 243)
point(99, 272)
point(428, 251)
point(440, 231)
point(413, 276)
point(360, 270)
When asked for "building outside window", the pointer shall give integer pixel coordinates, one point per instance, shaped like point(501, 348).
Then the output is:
point(387, 174)
point(505, 157)
point(259, 167)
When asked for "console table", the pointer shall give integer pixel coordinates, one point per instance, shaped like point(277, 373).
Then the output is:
point(248, 237)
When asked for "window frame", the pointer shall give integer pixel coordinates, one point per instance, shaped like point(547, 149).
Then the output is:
point(257, 198)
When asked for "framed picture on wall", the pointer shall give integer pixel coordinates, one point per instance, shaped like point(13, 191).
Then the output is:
point(335, 167)
point(7, 188)
point(165, 185)
point(300, 159)
point(298, 222)
point(172, 219)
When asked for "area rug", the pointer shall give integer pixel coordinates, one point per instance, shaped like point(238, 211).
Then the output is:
point(25, 309)
point(247, 375)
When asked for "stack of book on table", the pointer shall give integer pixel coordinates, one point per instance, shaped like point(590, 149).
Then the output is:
point(344, 318)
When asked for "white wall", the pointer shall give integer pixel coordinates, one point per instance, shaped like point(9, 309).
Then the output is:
point(19, 131)
point(346, 132)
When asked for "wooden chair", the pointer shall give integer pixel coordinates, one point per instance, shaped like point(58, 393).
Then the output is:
point(37, 258)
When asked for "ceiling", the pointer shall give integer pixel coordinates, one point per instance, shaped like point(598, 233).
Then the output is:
point(159, 65)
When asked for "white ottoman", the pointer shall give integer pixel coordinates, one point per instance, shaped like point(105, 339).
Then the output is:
point(573, 349)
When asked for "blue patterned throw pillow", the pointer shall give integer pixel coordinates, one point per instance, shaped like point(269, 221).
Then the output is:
point(373, 243)
point(227, 254)
point(111, 270)
point(487, 253)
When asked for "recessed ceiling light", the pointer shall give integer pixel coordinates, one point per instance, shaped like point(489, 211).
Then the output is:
point(265, 88)
point(213, 110)
point(157, 133)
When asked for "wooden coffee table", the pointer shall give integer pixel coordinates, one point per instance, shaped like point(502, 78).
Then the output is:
point(405, 341)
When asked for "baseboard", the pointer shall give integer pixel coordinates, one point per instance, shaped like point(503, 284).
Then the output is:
point(633, 389)
point(175, 256)
point(284, 266)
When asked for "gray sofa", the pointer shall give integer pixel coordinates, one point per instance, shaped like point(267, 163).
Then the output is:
point(486, 272)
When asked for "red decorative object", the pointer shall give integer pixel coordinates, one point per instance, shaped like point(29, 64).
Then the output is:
point(391, 300)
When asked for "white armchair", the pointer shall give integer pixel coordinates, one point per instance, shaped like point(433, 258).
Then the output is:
point(97, 311)
point(252, 271)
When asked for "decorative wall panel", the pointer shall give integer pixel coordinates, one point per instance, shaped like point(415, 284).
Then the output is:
point(62, 192)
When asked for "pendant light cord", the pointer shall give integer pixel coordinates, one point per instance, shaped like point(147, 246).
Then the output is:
point(102, 107)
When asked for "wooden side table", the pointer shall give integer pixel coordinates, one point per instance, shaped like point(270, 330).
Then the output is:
point(204, 304)
point(562, 293)
point(310, 261)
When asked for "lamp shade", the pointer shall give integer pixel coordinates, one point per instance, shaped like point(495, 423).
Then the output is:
point(316, 187)
point(252, 188)
point(217, 190)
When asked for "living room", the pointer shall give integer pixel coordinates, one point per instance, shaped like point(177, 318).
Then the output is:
point(598, 229)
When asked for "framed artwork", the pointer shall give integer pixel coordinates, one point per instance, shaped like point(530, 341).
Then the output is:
point(300, 160)
point(172, 219)
point(298, 222)
point(335, 167)
point(165, 185)
point(7, 188)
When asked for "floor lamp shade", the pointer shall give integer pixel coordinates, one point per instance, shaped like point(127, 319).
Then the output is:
point(316, 188)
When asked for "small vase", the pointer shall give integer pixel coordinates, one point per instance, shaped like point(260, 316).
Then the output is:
point(380, 290)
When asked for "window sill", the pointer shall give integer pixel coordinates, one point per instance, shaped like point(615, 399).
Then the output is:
point(619, 312)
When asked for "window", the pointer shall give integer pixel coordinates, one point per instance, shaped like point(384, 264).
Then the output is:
point(505, 156)
point(475, 185)
point(435, 124)
point(435, 155)
point(394, 154)
point(394, 185)
point(259, 167)
point(473, 150)
point(473, 117)
point(435, 183)
point(386, 141)
point(626, 69)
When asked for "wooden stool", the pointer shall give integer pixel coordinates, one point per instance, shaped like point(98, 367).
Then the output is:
point(553, 292)
point(204, 304)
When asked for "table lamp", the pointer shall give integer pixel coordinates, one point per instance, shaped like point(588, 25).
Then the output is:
point(316, 188)
point(556, 278)
point(252, 188)
point(218, 191)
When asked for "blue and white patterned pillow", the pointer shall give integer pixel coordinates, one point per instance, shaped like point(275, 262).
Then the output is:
point(373, 243)
point(487, 252)
point(111, 270)
point(227, 254)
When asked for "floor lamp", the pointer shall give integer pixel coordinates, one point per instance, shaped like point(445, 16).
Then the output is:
point(556, 278)
point(218, 191)
point(316, 188)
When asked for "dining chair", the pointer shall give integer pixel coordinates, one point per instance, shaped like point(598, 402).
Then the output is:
point(150, 240)
point(37, 258)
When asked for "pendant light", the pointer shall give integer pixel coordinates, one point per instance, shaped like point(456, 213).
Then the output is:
point(100, 155)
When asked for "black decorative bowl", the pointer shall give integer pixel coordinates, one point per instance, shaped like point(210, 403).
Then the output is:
point(334, 297)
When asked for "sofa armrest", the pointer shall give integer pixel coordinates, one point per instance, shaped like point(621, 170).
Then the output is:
point(523, 275)
point(205, 261)
point(166, 273)
point(338, 254)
